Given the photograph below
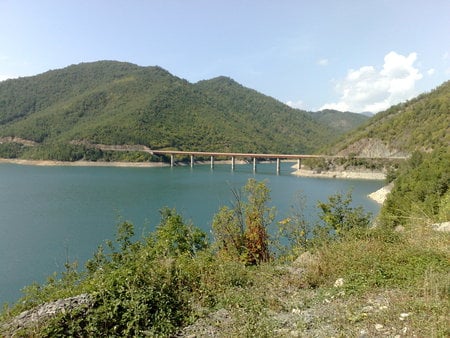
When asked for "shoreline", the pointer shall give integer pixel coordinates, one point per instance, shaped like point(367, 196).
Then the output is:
point(53, 163)
point(301, 172)
point(340, 174)
point(381, 194)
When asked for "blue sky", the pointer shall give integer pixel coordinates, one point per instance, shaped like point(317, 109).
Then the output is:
point(349, 54)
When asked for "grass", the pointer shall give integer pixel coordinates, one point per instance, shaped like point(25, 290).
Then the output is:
point(394, 284)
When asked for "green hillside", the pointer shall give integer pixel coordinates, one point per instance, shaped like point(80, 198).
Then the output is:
point(110, 102)
point(341, 122)
point(422, 123)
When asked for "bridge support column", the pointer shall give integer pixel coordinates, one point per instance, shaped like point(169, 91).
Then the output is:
point(233, 163)
point(192, 161)
point(254, 164)
point(171, 161)
point(299, 163)
point(212, 162)
point(278, 166)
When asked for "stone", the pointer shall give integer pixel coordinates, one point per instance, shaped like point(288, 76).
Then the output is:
point(46, 311)
point(295, 333)
point(339, 283)
point(443, 227)
point(403, 316)
point(379, 327)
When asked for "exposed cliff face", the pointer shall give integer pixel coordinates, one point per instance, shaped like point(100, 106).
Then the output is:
point(372, 147)
point(421, 124)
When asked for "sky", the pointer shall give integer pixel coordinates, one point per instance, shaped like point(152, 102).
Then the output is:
point(350, 55)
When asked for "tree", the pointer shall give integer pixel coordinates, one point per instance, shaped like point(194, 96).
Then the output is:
point(173, 237)
point(340, 217)
point(241, 231)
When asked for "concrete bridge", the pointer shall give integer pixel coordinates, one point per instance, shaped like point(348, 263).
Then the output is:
point(253, 156)
point(233, 156)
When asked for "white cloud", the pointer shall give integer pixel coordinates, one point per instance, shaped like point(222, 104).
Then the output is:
point(297, 104)
point(369, 89)
point(431, 71)
point(323, 62)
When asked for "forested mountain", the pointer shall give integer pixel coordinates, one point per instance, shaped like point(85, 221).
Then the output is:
point(341, 122)
point(422, 123)
point(110, 102)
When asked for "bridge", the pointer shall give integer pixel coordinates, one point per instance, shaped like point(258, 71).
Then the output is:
point(233, 156)
point(256, 156)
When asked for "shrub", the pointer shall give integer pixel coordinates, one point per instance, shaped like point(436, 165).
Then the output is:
point(339, 217)
point(241, 232)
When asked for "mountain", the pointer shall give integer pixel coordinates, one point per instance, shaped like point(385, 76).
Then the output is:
point(109, 102)
point(422, 123)
point(341, 122)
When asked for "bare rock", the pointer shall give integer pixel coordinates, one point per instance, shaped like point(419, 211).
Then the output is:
point(39, 314)
point(339, 283)
point(443, 227)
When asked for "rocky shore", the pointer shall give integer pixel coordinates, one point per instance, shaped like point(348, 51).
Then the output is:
point(380, 195)
point(371, 175)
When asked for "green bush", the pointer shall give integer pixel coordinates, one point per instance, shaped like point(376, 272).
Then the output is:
point(339, 217)
point(419, 189)
point(241, 233)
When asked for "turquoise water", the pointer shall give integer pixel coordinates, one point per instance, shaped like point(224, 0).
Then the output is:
point(51, 214)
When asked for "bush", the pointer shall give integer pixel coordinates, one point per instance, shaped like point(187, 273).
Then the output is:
point(339, 217)
point(241, 232)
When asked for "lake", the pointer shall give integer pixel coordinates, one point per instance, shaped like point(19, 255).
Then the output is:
point(49, 215)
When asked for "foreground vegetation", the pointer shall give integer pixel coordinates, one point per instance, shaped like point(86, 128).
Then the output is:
point(340, 277)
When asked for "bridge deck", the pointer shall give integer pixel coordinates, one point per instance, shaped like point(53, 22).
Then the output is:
point(260, 155)
point(233, 156)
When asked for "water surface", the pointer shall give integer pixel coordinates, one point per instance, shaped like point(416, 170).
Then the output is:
point(52, 214)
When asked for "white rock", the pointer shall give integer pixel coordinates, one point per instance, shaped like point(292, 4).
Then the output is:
point(443, 227)
point(404, 315)
point(295, 333)
point(339, 282)
point(379, 327)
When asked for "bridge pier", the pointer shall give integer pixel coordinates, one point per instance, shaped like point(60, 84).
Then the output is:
point(233, 163)
point(192, 161)
point(212, 162)
point(299, 163)
point(278, 166)
point(171, 160)
point(254, 164)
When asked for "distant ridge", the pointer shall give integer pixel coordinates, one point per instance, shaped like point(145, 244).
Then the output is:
point(340, 121)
